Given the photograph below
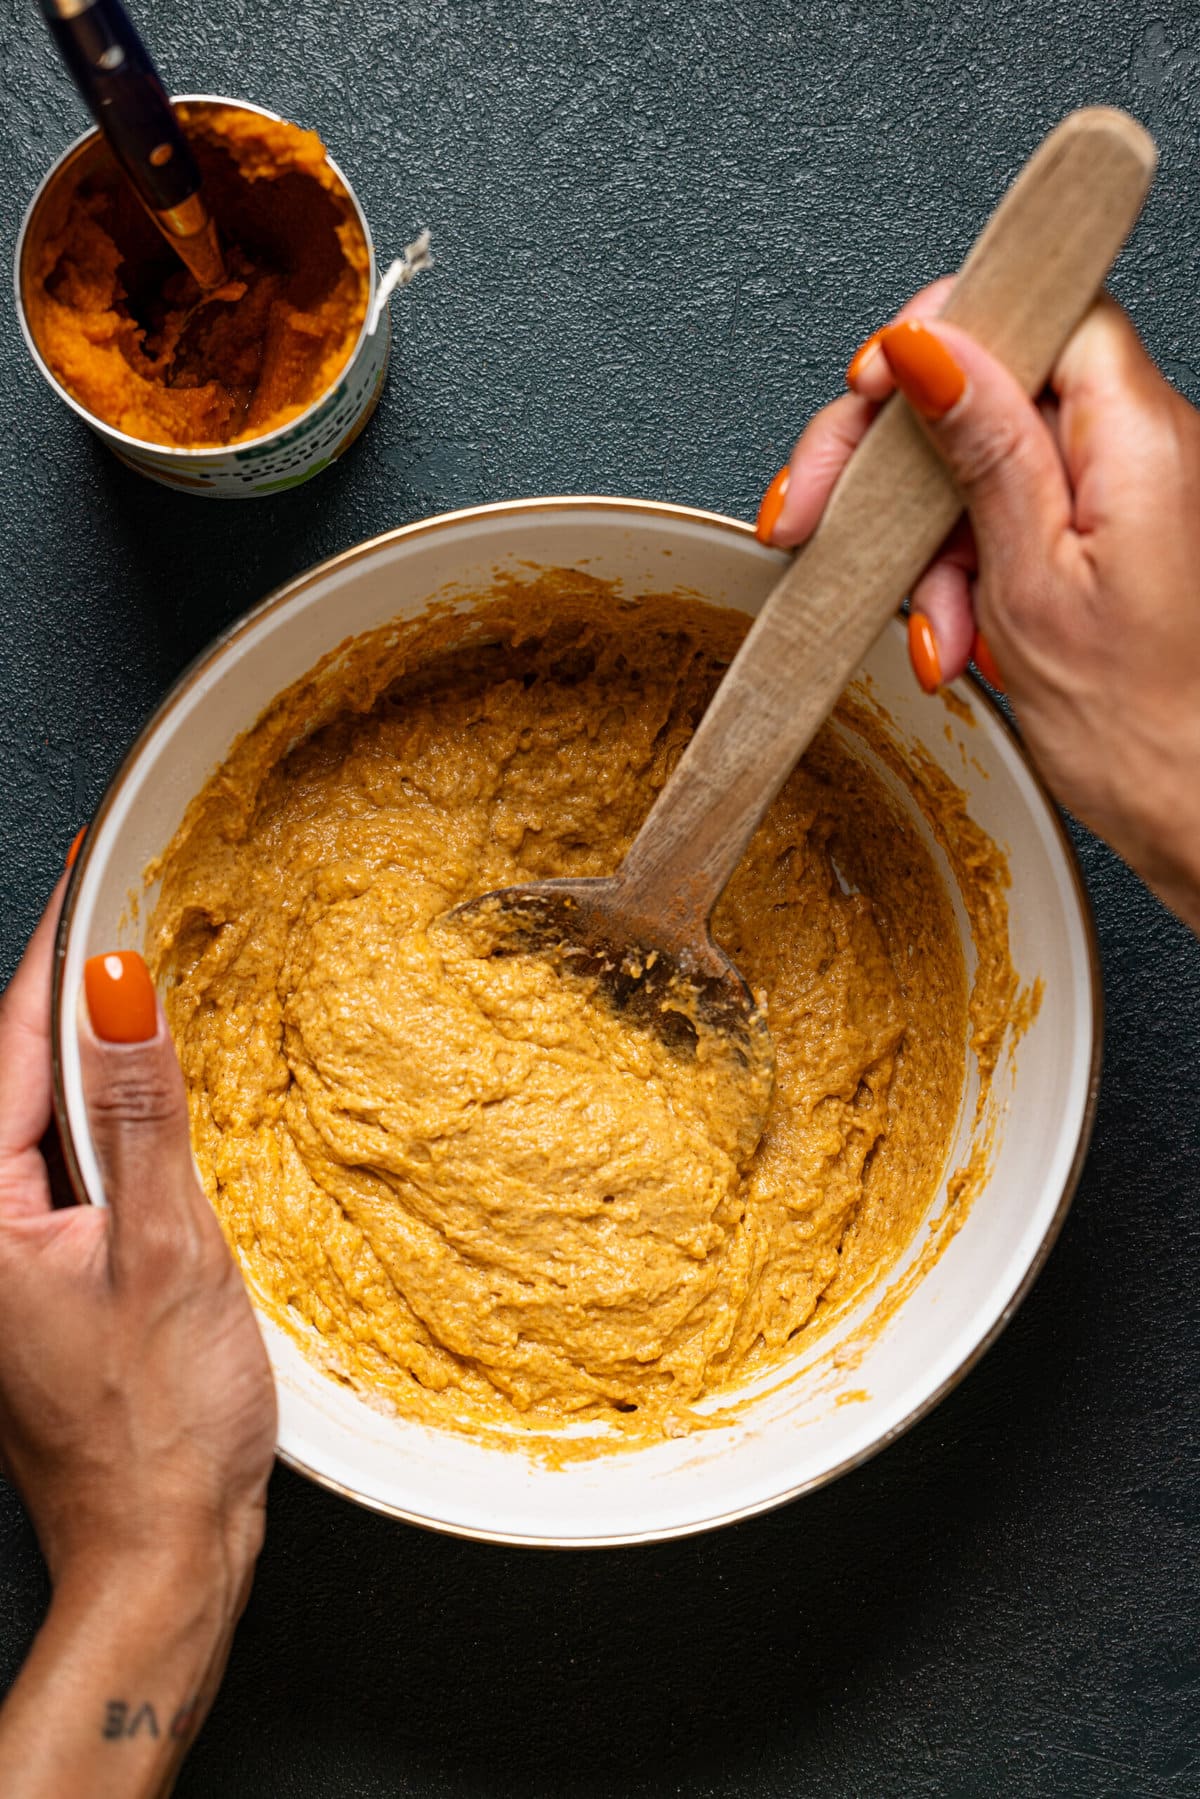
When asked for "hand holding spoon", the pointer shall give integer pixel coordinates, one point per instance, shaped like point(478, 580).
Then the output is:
point(643, 933)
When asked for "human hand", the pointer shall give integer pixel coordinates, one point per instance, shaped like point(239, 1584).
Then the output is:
point(137, 1409)
point(1076, 562)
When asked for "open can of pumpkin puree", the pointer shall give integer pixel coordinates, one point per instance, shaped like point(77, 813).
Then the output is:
point(253, 390)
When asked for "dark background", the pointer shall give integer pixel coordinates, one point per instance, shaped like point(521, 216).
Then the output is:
point(661, 230)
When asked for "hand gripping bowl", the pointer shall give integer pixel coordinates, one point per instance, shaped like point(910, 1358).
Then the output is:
point(855, 1386)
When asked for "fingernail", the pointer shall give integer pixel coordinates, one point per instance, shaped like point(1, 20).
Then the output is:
point(76, 841)
point(772, 506)
point(985, 662)
point(120, 997)
point(865, 354)
point(926, 373)
point(923, 652)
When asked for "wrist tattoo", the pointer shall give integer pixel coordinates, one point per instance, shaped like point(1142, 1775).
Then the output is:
point(122, 1720)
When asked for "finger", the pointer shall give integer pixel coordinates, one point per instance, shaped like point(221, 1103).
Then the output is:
point(960, 550)
point(1106, 387)
point(868, 373)
point(795, 500)
point(137, 1110)
point(941, 613)
point(985, 662)
point(25, 1076)
point(992, 439)
point(942, 597)
point(1048, 412)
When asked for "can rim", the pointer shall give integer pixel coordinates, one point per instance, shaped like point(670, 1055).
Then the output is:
point(101, 426)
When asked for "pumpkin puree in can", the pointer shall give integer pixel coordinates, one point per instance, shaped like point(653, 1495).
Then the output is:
point(126, 330)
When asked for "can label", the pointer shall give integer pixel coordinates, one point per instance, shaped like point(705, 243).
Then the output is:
point(295, 454)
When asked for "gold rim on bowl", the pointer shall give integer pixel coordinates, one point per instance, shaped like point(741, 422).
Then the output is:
point(284, 595)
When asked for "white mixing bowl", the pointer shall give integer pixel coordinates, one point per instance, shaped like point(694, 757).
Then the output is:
point(854, 1390)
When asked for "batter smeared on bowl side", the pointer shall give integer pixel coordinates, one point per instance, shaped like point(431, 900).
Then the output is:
point(476, 1192)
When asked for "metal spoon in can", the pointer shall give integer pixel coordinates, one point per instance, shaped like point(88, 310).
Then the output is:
point(122, 90)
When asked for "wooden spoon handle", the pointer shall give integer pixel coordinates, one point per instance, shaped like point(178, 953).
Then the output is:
point(1027, 282)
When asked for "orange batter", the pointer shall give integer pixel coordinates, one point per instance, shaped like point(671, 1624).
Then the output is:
point(478, 1197)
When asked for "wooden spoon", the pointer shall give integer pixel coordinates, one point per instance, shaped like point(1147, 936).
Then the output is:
point(643, 933)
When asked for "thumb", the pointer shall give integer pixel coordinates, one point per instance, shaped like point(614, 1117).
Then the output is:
point(991, 437)
point(137, 1109)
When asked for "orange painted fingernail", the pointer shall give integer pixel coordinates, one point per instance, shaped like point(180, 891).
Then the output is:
point(926, 373)
point(923, 652)
point(120, 997)
point(772, 506)
point(985, 662)
point(865, 353)
point(76, 841)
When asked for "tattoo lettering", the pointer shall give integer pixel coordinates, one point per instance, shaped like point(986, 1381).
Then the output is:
point(123, 1720)
point(186, 1718)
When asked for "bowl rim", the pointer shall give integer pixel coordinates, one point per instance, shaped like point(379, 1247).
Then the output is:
point(279, 598)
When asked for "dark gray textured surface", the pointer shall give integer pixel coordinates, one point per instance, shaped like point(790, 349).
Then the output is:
point(662, 228)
